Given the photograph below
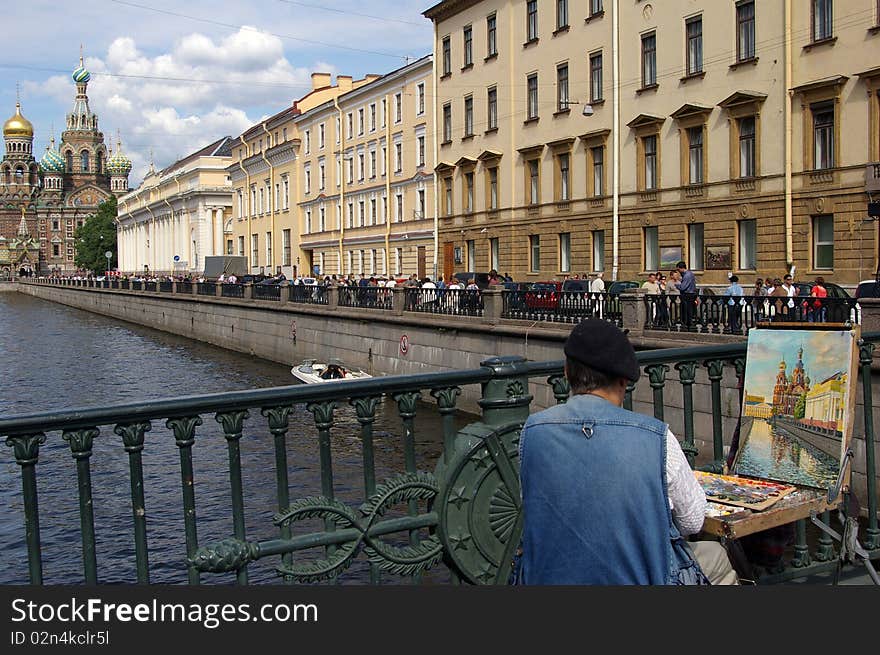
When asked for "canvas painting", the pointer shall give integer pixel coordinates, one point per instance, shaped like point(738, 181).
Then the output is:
point(669, 257)
point(718, 258)
point(798, 404)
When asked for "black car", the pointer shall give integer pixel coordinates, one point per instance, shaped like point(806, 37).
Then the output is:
point(481, 279)
point(868, 289)
point(576, 285)
point(834, 290)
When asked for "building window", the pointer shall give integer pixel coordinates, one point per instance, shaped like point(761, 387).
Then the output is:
point(420, 195)
point(695, 246)
point(491, 35)
point(308, 225)
point(350, 222)
point(240, 203)
point(84, 161)
point(531, 20)
point(360, 121)
point(373, 117)
point(468, 34)
point(322, 219)
point(694, 30)
point(471, 255)
point(241, 246)
point(823, 241)
point(596, 7)
point(69, 162)
point(823, 11)
point(307, 141)
point(398, 261)
point(447, 123)
point(534, 253)
point(321, 135)
point(747, 160)
point(695, 154)
point(565, 252)
point(492, 187)
point(350, 124)
point(748, 244)
point(652, 248)
point(532, 98)
point(421, 150)
point(447, 195)
point(823, 135)
point(362, 214)
point(469, 192)
point(563, 161)
point(469, 116)
point(255, 250)
point(56, 224)
point(447, 56)
point(745, 31)
point(597, 154)
point(398, 107)
point(398, 157)
point(372, 164)
point(649, 60)
point(361, 167)
point(229, 250)
point(307, 183)
point(561, 14)
point(268, 249)
point(420, 98)
point(373, 220)
point(650, 145)
point(596, 77)
point(322, 176)
point(492, 108)
point(285, 247)
point(56, 250)
point(399, 207)
point(350, 169)
point(534, 172)
point(562, 87)
point(384, 160)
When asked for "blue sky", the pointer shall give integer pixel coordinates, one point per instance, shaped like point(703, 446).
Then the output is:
point(824, 355)
point(172, 76)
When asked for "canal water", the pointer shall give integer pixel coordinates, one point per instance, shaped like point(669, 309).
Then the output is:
point(54, 357)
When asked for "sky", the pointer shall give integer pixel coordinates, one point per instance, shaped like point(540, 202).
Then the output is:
point(172, 77)
point(824, 355)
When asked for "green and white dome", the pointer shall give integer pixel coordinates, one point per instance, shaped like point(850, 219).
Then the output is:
point(80, 75)
point(119, 164)
point(52, 161)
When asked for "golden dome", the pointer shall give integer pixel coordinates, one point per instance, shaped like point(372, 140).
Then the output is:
point(18, 125)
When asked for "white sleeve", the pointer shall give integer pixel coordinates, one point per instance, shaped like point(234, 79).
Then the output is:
point(686, 497)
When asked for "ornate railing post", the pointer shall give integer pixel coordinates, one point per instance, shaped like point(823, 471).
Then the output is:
point(184, 436)
point(365, 408)
point(866, 356)
point(657, 380)
point(716, 373)
point(279, 424)
point(560, 386)
point(26, 448)
point(628, 396)
point(133, 440)
point(687, 374)
point(406, 407)
point(232, 423)
point(81, 449)
point(446, 399)
point(323, 415)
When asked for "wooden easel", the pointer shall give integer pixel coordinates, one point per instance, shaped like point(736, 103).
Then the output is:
point(808, 502)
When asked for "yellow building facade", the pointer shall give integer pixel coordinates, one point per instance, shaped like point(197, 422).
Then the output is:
point(178, 215)
point(576, 137)
point(366, 199)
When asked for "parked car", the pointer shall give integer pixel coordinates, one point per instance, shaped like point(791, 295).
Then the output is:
point(576, 285)
point(868, 289)
point(834, 290)
point(620, 286)
point(543, 295)
point(482, 279)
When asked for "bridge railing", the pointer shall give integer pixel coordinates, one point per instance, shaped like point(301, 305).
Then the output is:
point(561, 306)
point(453, 302)
point(405, 522)
point(366, 297)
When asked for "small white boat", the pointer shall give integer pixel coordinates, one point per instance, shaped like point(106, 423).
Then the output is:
point(313, 372)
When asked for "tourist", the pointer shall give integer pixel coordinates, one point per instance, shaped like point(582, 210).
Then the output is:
point(598, 285)
point(734, 294)
point(688, 288)
point(780, 306)
point(758, 295)
point(493, 277)
point(651, 286)
point(817, 311)
point(598, 482)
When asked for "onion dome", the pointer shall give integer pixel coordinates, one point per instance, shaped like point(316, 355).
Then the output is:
point(80, 75)
point(52, 161)
point(119, 164)
point(18, 125)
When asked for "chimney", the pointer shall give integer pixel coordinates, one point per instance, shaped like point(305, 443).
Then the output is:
point(343, 82)
point(371, 77)
point(320, 80)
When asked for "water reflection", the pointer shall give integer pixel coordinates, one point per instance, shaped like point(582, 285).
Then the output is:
point(56, 356)
point(773, 453)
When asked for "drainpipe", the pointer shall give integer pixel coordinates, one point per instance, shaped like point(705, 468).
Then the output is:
point(615, 139)
point(269, 199)
point(173, 231)
point(247, 189)
point(152, 232)
point(434, 144)
point(388, 180)
point(789, 249)
point(342, 173)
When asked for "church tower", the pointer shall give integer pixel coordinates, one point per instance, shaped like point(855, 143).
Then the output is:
point(82, 144)
point(19, 173)
point(119, 166)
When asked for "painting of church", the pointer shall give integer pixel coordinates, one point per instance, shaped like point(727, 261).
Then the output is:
point(789, 389)
point(43, 202)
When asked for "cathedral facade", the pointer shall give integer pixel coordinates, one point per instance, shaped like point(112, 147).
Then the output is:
point(789, 388)
point(42, 202)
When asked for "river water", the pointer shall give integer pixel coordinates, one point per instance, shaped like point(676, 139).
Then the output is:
point(54, 357)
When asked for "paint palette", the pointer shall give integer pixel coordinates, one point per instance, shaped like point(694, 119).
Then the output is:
point(714, 509)
point(741, 492)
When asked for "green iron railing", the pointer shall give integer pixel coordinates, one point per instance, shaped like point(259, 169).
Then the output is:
point(465, 513)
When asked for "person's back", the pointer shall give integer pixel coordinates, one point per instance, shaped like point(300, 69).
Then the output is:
point(594, 494)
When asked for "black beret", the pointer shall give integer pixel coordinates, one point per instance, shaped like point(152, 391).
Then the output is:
point(603, 347)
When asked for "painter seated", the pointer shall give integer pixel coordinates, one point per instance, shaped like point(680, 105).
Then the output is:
point(333, 372)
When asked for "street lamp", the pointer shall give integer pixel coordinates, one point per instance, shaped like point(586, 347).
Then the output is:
point(586, 111)
point(108, 254)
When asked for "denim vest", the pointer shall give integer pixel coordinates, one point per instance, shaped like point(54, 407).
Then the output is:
point(595, 500)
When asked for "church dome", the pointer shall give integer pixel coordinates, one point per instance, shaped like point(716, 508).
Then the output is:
point(80, 75)
point(52, 161)
point(18, 125)
point(119, 164)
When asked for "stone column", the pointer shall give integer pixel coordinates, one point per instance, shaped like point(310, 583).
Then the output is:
point(632, 305)
point(398, 299)
point(248, 291)
point(493, 304)
point(332, 298)
point(870, 319)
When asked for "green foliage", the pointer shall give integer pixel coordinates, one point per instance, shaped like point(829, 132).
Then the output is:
point(800, 407)
point(96, 236)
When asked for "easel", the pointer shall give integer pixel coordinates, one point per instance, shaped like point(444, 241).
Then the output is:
point(809, 502)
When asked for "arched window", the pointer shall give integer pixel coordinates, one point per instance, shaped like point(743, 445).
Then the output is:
point(69, 156)
point(19, 175)
point(6, 177)
point(84, 157)
point(99, 163)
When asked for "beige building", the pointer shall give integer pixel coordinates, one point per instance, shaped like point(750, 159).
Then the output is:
point(178, 215)
point(576, 137)
point(366, 178)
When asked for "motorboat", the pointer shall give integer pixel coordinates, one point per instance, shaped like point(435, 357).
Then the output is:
point(312, 372)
